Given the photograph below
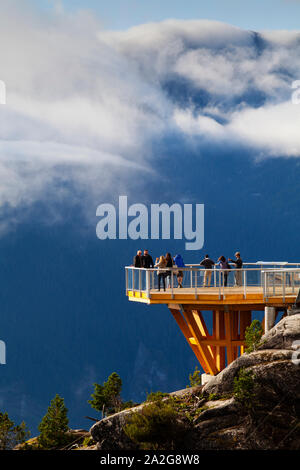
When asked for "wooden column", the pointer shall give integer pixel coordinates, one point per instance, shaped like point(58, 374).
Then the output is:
point(219, 334)
point(228, 335)
point(245, 321)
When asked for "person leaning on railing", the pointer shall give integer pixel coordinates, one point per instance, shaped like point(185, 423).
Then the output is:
point(238, 275)
point(224, 266)
point(147, 261)
point(137, 260)
point(207, 263)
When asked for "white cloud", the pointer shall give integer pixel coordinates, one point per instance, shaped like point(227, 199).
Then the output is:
point(85, 104)
point(273, 129)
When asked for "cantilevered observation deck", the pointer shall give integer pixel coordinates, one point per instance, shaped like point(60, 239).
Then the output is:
point(269, 287)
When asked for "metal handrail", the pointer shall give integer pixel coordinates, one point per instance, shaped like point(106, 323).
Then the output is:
point(266, 279)
point(284, 283)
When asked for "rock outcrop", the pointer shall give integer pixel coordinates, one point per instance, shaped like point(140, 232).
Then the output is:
point(215, 416)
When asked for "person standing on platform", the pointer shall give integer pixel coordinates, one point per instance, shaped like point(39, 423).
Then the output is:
point(161, 264)
point(238, 269)
point(169, 264)
point(137, 263)
point(147, 261)
point(137, 260)
point(208, 264)
point(225, 267)
point(179, 263)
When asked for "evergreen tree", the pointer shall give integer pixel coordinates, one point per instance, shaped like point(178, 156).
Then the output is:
point(253, 336)
point(10, 434)
point(195, 378)
point(108, 395)
point(54, 425)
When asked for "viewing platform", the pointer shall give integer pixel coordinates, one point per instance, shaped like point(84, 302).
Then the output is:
point(261, 284)
point(271, 287)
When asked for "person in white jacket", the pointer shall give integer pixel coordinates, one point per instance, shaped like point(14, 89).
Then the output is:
point(161, 264)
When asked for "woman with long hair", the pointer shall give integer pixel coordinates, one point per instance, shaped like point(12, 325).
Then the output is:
point(161, 264)
point(169, 264)
point(224, 266)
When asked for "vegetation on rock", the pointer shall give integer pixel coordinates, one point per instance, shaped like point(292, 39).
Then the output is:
point(157, 426)
point(243, 388)
point(253, 335)
point(54, 425)
point(107, 397)
point(11, 434)
point(195, 378)
point(154, 396)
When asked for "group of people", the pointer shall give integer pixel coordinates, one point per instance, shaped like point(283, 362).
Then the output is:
point(164, 262)
point(208, 264)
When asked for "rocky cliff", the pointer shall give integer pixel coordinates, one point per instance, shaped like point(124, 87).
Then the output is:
point(252, 404)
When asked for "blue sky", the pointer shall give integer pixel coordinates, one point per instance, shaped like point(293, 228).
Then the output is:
point(257, 14)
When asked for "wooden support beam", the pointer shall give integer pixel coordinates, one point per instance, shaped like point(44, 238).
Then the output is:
point(228, 335)
point(188, 334)
point(245, 321)
point(219, 337)
point(206, 353)
point(234, 332)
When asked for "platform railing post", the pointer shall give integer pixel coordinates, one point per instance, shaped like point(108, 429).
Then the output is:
point(283, 286)
point(148, 284)
point(196, 284)
point(140, 281)
point(245, 283)
point(172, 283)
point(132, 280)
point(126, 279)
point(265, 284)
point(215, 276)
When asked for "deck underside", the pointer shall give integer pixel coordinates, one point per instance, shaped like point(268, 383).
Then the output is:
point(211, 297)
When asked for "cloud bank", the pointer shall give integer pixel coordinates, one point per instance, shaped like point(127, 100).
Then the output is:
point(85, 105)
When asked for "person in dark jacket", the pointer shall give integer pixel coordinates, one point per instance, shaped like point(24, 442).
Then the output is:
point(137, 260)
point(169, 264)
point(207, 263)
point(238, 265)
point(137, 263)
point(147, 261)
point(224, 266)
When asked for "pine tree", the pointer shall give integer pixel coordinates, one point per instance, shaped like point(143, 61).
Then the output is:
point(54, 425)
point(253, 336)
point(11, 434)
point(195, 378)
point(107, 395)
